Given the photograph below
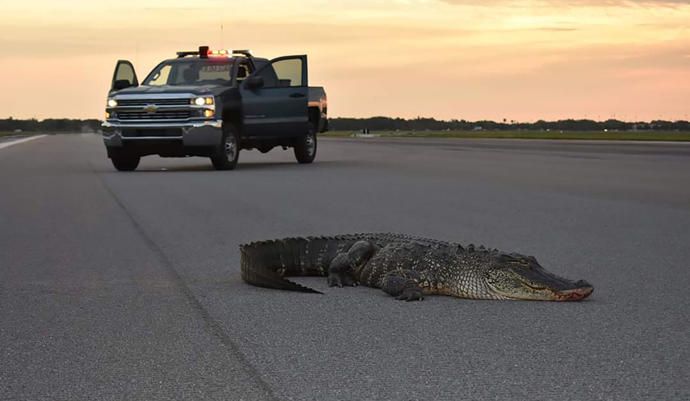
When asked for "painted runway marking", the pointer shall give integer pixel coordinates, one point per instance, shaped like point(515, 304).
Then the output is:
point(4, 145)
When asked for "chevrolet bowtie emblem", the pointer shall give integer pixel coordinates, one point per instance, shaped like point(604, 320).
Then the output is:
point(150, 108)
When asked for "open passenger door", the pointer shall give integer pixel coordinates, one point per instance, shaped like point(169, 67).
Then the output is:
point(124, 76)
point(274, 99)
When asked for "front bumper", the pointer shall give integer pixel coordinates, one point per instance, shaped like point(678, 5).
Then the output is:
point(188, 134)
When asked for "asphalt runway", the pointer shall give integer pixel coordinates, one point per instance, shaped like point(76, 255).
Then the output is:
point(126, 285)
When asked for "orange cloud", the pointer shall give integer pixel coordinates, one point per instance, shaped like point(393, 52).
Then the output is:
point(555, 59)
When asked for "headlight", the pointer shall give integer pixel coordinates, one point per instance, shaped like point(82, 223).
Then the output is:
point(209, 113)
point(112, 103)
point(203, 100)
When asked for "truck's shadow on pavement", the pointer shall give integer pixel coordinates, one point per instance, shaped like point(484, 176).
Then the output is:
point(246, 166)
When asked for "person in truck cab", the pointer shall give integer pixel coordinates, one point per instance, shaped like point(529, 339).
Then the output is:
point(190, 76)
point(242, 73)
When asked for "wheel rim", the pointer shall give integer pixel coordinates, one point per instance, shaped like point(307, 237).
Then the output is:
point(310, 144)
point(230, 147)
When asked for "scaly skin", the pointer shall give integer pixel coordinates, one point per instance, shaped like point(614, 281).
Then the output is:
point(405, 267)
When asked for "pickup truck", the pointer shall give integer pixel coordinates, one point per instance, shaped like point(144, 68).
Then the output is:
point(213, 104)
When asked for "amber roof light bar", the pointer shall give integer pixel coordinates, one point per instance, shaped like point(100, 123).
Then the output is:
point(204, 52)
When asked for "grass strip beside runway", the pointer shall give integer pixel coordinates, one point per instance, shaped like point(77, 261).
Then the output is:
point(567, 135)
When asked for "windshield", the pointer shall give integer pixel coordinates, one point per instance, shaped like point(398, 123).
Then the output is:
point(191, 72)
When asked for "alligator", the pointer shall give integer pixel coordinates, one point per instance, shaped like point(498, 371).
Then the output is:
point(405, 267)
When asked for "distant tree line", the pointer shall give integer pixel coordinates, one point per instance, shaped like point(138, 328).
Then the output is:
point(421, 124)
point(392, 124)
point(50, 125)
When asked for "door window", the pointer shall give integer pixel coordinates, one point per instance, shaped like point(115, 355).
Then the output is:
point(283, 73)
point(125, 72)
point(289, 72)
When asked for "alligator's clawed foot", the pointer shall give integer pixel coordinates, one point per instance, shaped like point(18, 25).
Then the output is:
point(403, 285)
point(411, 294)
point(340, 272)
point(341, 280)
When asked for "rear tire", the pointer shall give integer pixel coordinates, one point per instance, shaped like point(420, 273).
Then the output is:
point(227, 154)
point(125, 162)
point(305, 147)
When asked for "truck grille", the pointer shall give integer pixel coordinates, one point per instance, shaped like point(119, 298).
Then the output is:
point(156, 109)
point(157, 115)
point(152, 132)
point(157, 102)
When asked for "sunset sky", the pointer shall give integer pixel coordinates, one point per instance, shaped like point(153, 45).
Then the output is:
point(493, 59)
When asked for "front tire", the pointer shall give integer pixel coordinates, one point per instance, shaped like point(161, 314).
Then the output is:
point(124, 162)
point(226, 156)
point(305, 148)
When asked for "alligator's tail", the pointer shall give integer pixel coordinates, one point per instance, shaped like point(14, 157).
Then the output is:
point(266, 263)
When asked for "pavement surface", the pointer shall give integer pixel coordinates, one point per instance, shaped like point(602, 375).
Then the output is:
point(126, 285)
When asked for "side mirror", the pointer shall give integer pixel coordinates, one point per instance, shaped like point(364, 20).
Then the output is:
point(254, 82)
point(121, 84)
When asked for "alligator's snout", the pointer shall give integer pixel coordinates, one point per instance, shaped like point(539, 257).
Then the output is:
point(522, 277)
point(553, 288)
point(581, 290)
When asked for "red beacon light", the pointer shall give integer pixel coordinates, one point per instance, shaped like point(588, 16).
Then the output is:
point(218, 53)
point(205, 52)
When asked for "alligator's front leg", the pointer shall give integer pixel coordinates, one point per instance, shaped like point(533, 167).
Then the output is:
point(404, 285)
point(342, 268)
point(340, 272)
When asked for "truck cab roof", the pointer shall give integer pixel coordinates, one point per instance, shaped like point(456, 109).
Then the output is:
point(200, 71)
